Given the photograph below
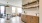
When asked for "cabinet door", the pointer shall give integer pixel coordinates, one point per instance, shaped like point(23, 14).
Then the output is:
point(35, 20)
point(28, 19)
point(32, 19)
point(24, 18)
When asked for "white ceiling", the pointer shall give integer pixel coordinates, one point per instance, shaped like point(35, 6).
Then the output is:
point(18, 3)
point(12, 2)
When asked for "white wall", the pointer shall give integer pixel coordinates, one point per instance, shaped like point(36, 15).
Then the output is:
point(31, 11)
point(40, 11)
point(26, 1)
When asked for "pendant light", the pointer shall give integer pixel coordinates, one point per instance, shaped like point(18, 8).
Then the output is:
point(7, 5)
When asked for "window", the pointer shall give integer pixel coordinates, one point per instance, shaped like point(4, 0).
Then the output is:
point(19, 10)
point(16, 10)
point(2, 9)
point(13, 9)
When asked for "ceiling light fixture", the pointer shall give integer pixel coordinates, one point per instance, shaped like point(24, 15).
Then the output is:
point(7, 5)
